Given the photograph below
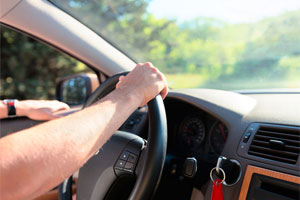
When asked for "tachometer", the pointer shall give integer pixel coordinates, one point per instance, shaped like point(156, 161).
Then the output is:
point(218, 136)
point(191, 133)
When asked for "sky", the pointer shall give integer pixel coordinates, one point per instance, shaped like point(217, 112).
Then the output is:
point(231, 11)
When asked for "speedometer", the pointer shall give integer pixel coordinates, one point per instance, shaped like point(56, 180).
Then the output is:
point(191, 133)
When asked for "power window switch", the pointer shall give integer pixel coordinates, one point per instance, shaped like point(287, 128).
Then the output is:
point(129, 166)
point(120, 164)
point(132, 158)
point(124, 155)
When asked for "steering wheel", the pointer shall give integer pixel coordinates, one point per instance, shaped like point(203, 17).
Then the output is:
point(127, 166)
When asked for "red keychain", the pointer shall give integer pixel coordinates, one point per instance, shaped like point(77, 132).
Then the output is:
point(217, 191)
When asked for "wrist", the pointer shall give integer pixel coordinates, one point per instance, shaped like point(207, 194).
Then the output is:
point(131, 96)
point(21, 109)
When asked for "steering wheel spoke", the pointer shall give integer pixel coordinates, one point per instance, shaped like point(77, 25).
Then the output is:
point(118, 157)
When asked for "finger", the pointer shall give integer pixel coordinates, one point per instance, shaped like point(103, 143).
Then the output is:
point(121, 78)
point(59, 107)
point(165, 89)
point(55, 105)
point(148, 64)
point(138, 65)
point(64, 106)
point(164, 92)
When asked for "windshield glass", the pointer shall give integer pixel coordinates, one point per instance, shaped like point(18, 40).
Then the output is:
point(222, 44)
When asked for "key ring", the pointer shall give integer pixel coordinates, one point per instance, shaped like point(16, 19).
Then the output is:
point(211, 173)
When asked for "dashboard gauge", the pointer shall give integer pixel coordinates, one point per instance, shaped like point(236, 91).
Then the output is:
point(218, 137)
point(191, 133)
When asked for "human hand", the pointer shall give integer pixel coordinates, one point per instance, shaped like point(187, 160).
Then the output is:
point(145, 81)
point(40, 109)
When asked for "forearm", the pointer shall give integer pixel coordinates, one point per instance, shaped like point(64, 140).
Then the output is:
point(26, 162)
point(3, 110)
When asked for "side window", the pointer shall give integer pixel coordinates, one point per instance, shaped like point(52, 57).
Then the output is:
point(29, 68)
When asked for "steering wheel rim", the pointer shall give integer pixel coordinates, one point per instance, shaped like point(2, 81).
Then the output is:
point(104, 89)
point(152, 167)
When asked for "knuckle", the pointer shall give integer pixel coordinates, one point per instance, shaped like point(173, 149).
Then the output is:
point(154, 69)
point(148, 64)
point(160, 77)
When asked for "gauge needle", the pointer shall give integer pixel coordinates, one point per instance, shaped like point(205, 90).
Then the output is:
point(222, 131)
point(189, 141)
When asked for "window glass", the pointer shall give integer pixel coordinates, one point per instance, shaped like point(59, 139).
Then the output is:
point(30, 68)
point(229, 44)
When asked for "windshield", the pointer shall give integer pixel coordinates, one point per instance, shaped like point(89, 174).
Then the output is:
point(222, 44)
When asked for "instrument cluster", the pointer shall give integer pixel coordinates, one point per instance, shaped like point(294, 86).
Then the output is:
point(194, 132)
point(200, 134)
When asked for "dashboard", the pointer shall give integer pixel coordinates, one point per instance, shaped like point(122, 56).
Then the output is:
point(259, 131)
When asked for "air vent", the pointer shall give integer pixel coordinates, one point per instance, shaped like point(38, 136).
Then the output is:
point(275, 143)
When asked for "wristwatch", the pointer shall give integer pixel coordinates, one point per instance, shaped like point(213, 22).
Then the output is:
point(11, 107)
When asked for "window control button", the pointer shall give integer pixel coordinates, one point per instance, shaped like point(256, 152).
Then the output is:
point(120, 164)
point(132, 158)
point(124, 155)
point(129, 166)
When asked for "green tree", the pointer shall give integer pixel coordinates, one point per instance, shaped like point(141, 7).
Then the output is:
point(29, 68)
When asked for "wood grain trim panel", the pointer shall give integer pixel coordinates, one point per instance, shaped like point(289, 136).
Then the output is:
point(257, 170)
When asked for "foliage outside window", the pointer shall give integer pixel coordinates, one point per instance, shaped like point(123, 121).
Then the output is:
point(29, 68)
point(203, 52)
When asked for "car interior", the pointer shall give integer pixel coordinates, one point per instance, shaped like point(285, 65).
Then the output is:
point(249, 139)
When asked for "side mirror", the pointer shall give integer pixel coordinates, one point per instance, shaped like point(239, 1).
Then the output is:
point(74, 90)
